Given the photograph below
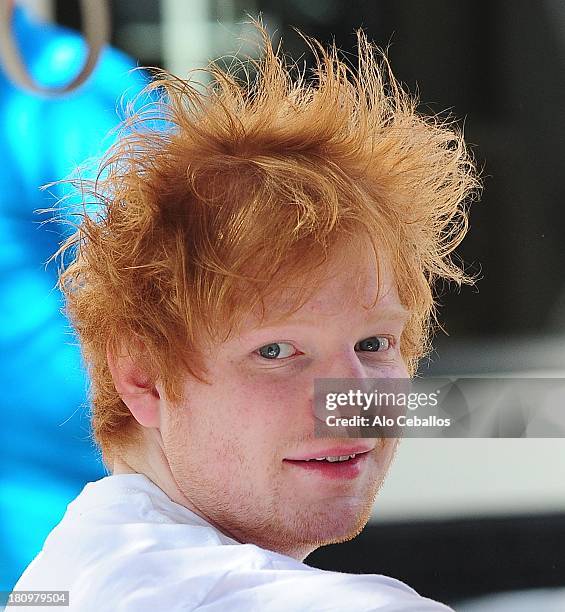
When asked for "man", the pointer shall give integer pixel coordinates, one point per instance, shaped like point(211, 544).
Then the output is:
point(259, 236)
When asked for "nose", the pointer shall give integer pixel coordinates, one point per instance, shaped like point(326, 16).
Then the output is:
point(346, 370)
point(345, 364)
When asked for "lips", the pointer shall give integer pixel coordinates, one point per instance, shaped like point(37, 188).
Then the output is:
point(347, 470)
point(331, 451)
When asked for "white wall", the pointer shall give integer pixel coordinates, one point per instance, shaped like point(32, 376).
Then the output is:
point(439, 478)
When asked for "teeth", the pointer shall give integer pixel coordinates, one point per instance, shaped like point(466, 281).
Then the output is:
point(333, 459)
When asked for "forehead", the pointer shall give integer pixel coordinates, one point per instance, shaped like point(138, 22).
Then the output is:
point(352, 281)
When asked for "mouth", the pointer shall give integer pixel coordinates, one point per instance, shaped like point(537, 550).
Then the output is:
point(332, 467)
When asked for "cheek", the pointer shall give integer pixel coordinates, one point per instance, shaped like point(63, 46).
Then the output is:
point(397, 370)
point(257, 424)
point(269, 396)
point(246, 416)
point(387, 448)
point(271, 414)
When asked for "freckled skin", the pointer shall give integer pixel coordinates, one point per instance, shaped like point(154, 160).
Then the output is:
point(221, 451)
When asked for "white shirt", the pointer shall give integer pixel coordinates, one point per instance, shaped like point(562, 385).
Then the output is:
point(124, 546)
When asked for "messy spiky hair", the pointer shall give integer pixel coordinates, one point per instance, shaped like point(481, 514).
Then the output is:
point(245, 184)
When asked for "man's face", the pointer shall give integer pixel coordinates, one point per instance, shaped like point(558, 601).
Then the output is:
point(230, 445)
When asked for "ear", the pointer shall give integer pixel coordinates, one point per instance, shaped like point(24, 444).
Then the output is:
point(133, 386)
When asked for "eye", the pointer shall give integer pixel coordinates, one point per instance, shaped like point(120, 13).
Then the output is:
point(276, 350)
point(374, 344)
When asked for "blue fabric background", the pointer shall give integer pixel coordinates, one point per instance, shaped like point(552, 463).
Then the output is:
point(45, 452)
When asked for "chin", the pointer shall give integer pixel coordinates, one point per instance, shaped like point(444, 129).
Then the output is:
point(344, 531)
point(332, 526)
point(302, 533)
